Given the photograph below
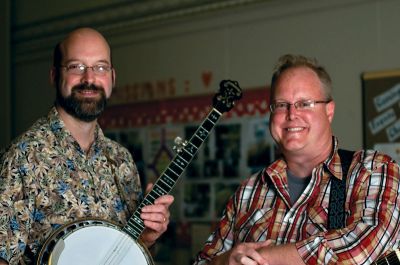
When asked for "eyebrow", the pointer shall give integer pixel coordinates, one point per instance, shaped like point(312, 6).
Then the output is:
point(79, 61)
point(283, 100)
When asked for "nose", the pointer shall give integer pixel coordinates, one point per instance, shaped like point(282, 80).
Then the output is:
point(88, 76)
point(291, 112)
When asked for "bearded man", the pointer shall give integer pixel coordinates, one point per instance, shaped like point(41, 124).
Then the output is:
point(64, 168)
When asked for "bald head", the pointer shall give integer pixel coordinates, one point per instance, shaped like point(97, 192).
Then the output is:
point(82, 38)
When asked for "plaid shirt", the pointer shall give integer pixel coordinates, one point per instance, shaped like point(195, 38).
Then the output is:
point(47, 180)
point(261, 209)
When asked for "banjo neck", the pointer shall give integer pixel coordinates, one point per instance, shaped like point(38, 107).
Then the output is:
point(171, 174)
point(185, 153)
point(390, 259)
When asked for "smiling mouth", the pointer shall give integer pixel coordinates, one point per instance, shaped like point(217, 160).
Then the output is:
point(295, 129)
point(88, 92)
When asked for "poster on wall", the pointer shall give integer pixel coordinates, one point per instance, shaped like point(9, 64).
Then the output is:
point(381, 111)
point(159, 143)
point(260, 149)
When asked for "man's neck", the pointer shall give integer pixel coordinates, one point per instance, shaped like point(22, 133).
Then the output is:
point(83, 132)
point(301, 165)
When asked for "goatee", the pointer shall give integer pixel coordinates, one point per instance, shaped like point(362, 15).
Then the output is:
point(84, 109)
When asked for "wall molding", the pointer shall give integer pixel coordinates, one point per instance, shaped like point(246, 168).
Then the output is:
point(35, 41)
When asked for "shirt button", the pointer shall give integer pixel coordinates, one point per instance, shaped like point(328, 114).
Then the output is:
point(291, 219)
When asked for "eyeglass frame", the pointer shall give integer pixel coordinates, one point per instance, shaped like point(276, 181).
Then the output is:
point(272, 106)
point(77, 66)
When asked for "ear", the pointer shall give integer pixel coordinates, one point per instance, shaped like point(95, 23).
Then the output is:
point(52, 76)
point(113, 76)
point(330, 110)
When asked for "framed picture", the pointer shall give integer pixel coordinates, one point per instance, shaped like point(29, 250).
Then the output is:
point(381, 109)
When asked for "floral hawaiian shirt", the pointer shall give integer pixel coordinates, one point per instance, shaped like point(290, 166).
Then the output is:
point(47, 180)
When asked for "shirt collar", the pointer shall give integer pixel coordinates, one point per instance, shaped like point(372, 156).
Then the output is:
point(57, 126)
point(331, 164)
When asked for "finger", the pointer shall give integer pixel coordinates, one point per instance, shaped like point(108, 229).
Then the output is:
point(246, 260)
point(158, 217)
point(247, 253)
point(160, 205)
point(156, 226)
point(149, 186)
point(156, 209)
point(266, 243)
point(256, 257)
point(263, 244)
point(255, 245)
point(165, 199)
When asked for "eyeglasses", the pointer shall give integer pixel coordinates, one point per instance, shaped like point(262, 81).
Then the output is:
point(80, 69)
point(280, 107)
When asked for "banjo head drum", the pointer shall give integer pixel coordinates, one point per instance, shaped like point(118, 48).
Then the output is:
point(101, 242)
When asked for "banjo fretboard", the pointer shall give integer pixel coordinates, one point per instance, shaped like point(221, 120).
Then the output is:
point(223, 101)
point(170, 176)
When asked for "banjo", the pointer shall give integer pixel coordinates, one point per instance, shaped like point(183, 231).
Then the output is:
point(97, 241)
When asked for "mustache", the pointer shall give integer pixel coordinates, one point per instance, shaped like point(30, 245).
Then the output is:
point(85, 86)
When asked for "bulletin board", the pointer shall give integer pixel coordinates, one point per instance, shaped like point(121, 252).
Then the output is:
point(381, 110)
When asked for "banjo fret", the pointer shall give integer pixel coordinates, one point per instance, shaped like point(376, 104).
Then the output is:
point(136, 222)
point(148, 200)
point(132, 232)
point(164, 186)
point(177, 167)
point(202, 133)
point(181, 162)
point(137, 227)
point(185, 155)
point(159, 191)
point(208, 124)
point(167, 179)
point(165, 183)
point(162, 192)
point(171, 174)
point(197, 141)
point(174, 172)
point(192, 147)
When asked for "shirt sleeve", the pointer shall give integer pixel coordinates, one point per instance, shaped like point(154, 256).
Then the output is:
point(15, 216)
point(372, 219)
point(222, 239)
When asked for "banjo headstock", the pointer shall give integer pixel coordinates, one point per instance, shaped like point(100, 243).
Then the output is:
point(229, 92)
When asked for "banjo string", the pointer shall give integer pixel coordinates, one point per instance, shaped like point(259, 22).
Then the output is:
point(114, 255)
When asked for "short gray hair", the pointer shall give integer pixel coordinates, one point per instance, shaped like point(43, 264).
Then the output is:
point(288, 61)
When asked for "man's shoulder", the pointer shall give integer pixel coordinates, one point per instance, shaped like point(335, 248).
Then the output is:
point(258, 177)
point(114, 144)
point(371, 159)
point(116, 148)
point(26, 140)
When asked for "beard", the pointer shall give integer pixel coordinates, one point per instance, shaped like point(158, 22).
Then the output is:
point(84, 109)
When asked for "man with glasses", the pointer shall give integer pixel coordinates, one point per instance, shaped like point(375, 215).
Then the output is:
point(63, 168)
point(317, 204)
